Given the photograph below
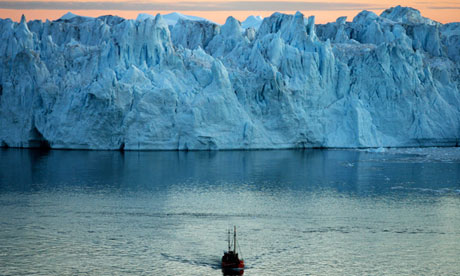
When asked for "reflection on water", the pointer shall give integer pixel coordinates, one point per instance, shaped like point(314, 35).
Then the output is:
point(308, 170)
point(231, 272)
point(320, 212)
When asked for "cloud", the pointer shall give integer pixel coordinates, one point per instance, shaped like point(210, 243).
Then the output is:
point(185, 5)
point(445, 7)
point(440, 5)
point(436, 3)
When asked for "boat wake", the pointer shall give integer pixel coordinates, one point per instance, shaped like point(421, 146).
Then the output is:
point(212, 263)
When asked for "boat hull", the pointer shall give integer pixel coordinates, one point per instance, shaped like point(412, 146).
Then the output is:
point(233, 265)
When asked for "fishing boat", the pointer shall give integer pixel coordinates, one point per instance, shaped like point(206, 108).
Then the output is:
point(230, 260)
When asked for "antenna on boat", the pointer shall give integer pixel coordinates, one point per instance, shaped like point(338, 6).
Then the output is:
point(228, 240)
point(234, 238)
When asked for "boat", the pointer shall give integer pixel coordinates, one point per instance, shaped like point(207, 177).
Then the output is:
point(230, 260)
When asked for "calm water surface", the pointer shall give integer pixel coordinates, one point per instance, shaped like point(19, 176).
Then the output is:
point(310, 212)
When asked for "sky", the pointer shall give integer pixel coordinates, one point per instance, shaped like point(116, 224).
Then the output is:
point(219, 10)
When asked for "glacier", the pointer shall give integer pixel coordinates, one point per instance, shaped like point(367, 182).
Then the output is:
point(172, 18)
point(107, 83)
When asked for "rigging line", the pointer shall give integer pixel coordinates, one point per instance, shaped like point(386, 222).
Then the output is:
point(239, 250)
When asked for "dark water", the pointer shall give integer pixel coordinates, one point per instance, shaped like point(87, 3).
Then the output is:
point(310, 212)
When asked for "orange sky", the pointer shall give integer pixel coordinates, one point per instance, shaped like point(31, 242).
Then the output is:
point(219, 10)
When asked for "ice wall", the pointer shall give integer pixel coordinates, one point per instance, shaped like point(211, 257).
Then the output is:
point(108, 83)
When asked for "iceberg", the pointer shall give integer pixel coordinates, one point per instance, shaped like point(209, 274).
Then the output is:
point(108, 83)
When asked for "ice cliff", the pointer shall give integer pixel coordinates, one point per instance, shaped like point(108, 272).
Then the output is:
point(108, 83)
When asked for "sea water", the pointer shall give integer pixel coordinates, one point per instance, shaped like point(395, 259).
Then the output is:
point(297, 212)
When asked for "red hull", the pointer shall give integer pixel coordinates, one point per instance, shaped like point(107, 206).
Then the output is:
point(233, 265)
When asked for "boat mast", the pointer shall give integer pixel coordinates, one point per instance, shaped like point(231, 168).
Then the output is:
point(228, 240)
point(234, 239)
